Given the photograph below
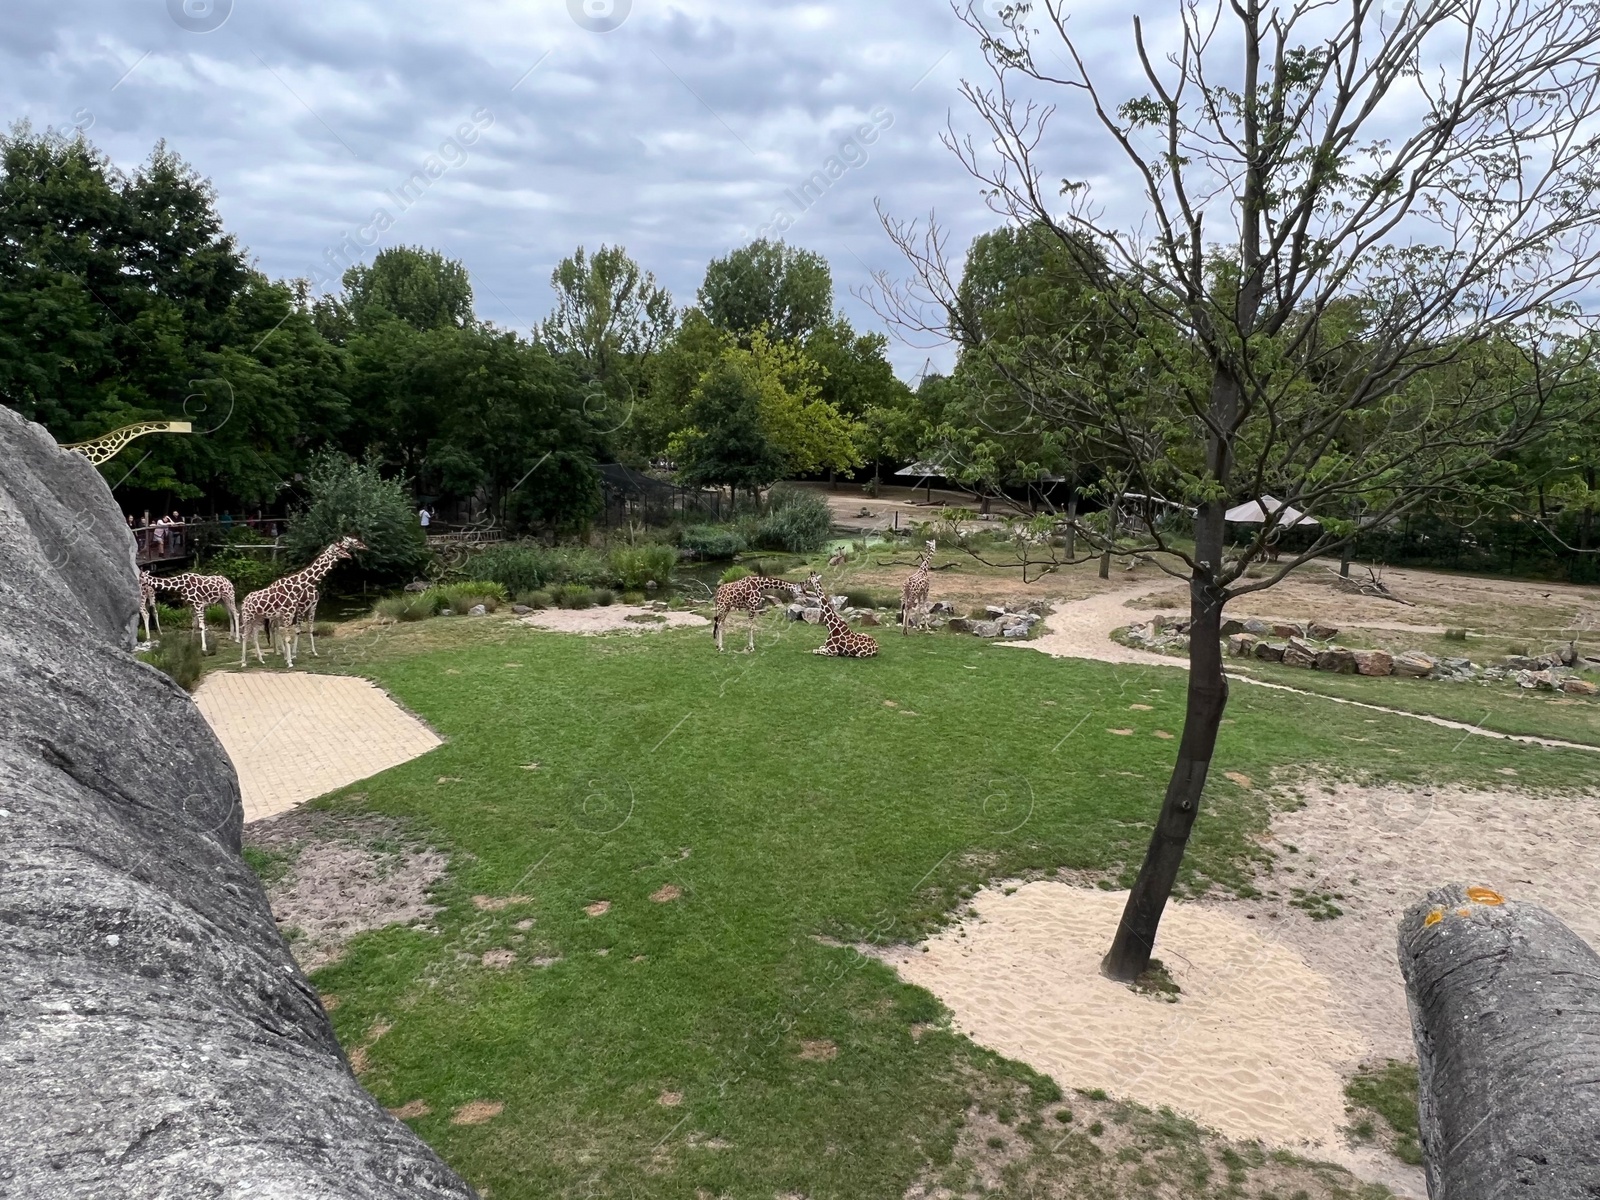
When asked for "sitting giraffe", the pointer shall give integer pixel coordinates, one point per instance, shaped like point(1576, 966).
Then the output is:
point(199, 591)
point(749, 594)
point(285, 600)
point(843, 642)
point(915, 593)
point(147, 602)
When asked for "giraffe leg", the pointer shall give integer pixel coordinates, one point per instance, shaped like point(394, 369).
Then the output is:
point(311, 629)
point(755, 615)
point(716, 630)
point(200, 624)
point(233, 618)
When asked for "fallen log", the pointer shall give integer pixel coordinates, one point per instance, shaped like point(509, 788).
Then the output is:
point(1505, 1011)
point(156, 1037)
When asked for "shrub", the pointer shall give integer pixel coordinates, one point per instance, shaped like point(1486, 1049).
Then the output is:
point(536, 599)
point(173, 619)
point(864, 599)
point(795, 520)
point(519, 567)
point(713, 541)
point(604, 596)
point(733, 573)
point(573, 595)
point(178, 654)
point(1455, 635)
point(460, 597)
point(350, 497)
point(412, 606)
point(634, 566)
point(247, 572)
point(633, 597)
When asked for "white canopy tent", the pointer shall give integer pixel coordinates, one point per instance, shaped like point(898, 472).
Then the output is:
point(1256, 512)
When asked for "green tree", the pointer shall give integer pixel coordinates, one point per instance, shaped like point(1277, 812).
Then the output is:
point(419, 286)
point(725, 445)
point(770, 285)
point(346, 498)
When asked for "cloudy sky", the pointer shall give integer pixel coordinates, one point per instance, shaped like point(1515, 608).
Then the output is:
point(678, 128)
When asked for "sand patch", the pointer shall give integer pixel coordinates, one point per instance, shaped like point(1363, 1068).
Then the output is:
point(343, 877)
point(665, 893)
point(411, 1110)
point(1373, 851)
point(294, 736)
point(819, 1050)
point(1248, 1050)
point(610, 618)
point(598, 909)
point(499, 960)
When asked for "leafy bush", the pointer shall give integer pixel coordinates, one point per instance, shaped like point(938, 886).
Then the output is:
point(633, 597)
point(732, 574)
point(536, 599)
point(247, 572)
point(572, 595)
point(178, 654)
point(795, 520)
point(412, 606)
point(713, 541)
point(348, 497)
point(604, 596)
point(461, 597)
point(865, 599)
point(634, 566)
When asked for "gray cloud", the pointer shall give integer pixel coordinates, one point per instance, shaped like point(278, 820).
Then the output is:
point(680, 133)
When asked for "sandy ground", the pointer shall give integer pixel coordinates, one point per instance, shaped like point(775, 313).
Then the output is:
point(610, 618)
point(294, 736)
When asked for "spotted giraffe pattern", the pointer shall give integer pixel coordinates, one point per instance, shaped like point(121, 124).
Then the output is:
point(843, 642)
point(749, 594)
point(284, 601)
point(200, 591)
point(914, 595)
point(147, 602)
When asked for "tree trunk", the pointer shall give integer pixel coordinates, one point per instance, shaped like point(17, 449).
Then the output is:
point(1111, 539)
point(1208, 697)
point(1503, 999)
point(1072, 525)
point(1344, 561)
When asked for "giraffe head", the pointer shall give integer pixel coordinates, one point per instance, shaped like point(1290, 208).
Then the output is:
point(812, 585)
point(346, 546)
point(929, 546)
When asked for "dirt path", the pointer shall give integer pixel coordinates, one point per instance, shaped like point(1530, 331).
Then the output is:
point(1082, 629)
point(610, 618)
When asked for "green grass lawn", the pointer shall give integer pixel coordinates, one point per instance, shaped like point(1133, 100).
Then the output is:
point(794, 803)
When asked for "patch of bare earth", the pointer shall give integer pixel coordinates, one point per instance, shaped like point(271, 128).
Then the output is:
point(477, 1112)
point(346, 875)
point(1080, 1146)
point(610, 618)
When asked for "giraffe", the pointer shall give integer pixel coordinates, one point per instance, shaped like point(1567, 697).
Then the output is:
point(914, 595)
point(284, 601)
point(749, 594)
point(843, 642)
point(198, 591)
point(147, 602)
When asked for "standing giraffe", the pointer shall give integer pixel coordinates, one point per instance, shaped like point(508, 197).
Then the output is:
point(284, 601)
point(748, 594)
point(915, 593)
point(199, 591)
point(843, 642)
point(147, 602)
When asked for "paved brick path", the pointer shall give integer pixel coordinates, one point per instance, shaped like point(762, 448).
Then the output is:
point(293, 736)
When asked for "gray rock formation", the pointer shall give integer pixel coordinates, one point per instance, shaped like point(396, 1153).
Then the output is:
point(1505, 1008)
point(156, 1038)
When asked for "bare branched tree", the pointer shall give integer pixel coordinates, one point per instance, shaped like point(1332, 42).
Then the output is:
point(1351, 278)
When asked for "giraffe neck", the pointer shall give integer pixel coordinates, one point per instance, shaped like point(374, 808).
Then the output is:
point(835, 623)
point(320, 566)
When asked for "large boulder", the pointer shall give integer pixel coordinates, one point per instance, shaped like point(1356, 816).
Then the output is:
point(1270, 651)
point(1373, 662)
point(156, 1037)
point(1338, 660)
point(1414, 664)
point(1241, 645)
point(1503, 1001)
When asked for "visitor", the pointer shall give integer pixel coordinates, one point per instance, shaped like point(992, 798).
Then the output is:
point(424, 517)
point(176, 532)
point(227, 521)
point(158, 532)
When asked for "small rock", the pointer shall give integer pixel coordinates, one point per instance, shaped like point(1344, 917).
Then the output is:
point(960, 624)
point(1323, 633)
point(795, 612)
point(812, 616)
point(1414, 664)
point(657, 605)
point(1373, 662)
point(521, 609)
point(941, 606)
point(1231, 627)
point(1520, 662)
point(994, 610)
point(417, 585)
point(986, 629)
point(650, 585)
point(1015, 631)
point(1241, 644)
point(1579, 687)
point(840, 601)
point(1270, 651)
point(870, 619)
point(1299, 653)
point(447, 612)
point(1288, 630)
point(1256, 626)
point(1536, 679)
point(477, 610)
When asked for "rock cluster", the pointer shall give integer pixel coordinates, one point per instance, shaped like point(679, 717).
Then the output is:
point(997, 621)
